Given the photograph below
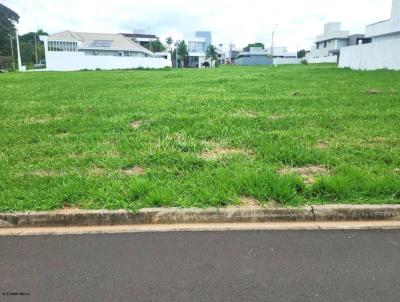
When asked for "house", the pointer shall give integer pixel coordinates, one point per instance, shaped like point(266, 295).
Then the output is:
point(269, 56)
point(70, 50)
point(254, 56)
point(233, 53)
point(384, 50)
point(142, 37)
point(197, 47)
point(281, 52)
point(327, 46)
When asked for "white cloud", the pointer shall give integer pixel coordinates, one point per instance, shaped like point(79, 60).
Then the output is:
point(238, 22)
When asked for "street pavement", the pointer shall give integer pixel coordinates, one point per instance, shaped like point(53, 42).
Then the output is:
point(336, 265)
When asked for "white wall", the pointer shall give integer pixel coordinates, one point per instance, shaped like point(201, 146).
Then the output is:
point(286, 61)
point(330, 59)
point(71, 61)
point(383, 53)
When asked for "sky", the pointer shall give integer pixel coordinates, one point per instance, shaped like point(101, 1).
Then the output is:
point(239, 22)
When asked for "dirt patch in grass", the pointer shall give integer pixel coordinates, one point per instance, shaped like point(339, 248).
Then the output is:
point(308, 173)
point(274, 117)
point(373, 91)
point(249, 202)
point(218, 152)
point(44, 119)
point(98, 171)
point(68, 209)
point(136, 124)
point(322, 145)
point(46, 173)
point(133, 171)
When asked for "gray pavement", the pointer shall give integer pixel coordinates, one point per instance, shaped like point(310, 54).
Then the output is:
point(203, 266)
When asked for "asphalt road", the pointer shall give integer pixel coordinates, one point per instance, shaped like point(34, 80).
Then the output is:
point(203, 266)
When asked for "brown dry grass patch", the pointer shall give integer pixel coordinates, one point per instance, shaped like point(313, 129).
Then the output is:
point(308, 173)
point(322, 145)
point(136, 124)
point(133, 171)
point(218, 152)
point(373, 91)
point(46, 173)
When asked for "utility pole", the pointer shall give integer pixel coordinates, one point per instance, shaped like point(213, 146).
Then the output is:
point(36, 54)
point(18, 52)
point(12, 52)
point(272, 41)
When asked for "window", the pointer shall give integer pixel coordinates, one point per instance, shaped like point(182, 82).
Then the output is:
point(63, 46)
point(325, 44)
point(127, 53)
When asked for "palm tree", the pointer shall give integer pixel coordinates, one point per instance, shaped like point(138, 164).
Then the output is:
point(182, 51)
point(212, 53)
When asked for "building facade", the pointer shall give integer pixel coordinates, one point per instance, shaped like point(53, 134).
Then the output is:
point(142, 37)
point(327, 46)
point(197, 47)
point(70, 50)
point(269, 56)
point(384, 50)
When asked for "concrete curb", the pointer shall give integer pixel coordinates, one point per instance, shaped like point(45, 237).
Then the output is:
point(213, 215)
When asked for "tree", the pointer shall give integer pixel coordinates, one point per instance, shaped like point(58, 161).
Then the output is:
point(157, 46)
point(257, 44)
point(8, 19)
point(302, 53)
point(169, 41)
point(182, 51)
point(212, 53)
point(32, 50)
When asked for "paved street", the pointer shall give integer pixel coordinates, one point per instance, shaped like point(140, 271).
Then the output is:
point(203, 266)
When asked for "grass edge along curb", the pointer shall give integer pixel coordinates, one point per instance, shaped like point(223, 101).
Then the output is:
point(212, 215)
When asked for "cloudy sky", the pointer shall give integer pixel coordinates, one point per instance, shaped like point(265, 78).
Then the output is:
point(238, 22)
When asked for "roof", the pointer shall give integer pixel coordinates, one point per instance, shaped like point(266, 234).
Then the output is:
point(99, 41)
point(144, 36)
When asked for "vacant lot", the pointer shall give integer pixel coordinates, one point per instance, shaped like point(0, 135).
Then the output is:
point(228, 136)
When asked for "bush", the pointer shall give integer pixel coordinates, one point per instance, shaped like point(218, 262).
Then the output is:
point(304, 62)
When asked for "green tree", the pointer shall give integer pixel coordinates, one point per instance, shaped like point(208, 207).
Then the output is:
point(32, 50)
point(8, 19)
point(302, 53)
point(169, 41)
point(157, 46)
point(257, 44)
point(182, 51)
point(212, 53)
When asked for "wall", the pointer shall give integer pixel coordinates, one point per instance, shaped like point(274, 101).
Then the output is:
point(330, 59)
point(69, 61)
point(286, 61)
point(383, 53)
point(253, 60)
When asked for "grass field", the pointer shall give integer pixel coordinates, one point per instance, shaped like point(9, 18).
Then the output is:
point(290, 135)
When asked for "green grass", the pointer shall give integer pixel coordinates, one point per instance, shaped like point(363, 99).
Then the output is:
point(66, 138)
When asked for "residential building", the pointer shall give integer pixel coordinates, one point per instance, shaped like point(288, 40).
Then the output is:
point(255, 56)
point(197, 47)
point(327, 46)
point(384, 50)
point(233, 53)
point(70, 50)
point(260, 56)
point(281, 52)
point(142, 37)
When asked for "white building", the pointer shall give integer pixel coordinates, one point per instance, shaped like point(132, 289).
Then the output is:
point(197, 47)
point(384, 49)
point(332, 39)
point(260, 56)
point(70, 50)
point(281, 52)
